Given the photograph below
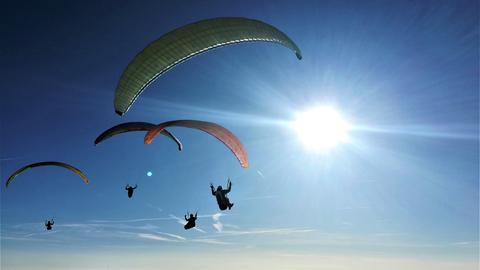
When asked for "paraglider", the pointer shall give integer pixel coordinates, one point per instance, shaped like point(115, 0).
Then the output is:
point(130, 190)
point(185, 42)
point(134, 126)
point(47, 163)
point(190, 221)
point(219, 132)
point(49, 224)
point(221, 195)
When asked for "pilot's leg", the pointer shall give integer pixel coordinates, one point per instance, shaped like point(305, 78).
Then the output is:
point(229, 203)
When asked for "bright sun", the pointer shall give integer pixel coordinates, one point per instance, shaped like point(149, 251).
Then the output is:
point(321, 128)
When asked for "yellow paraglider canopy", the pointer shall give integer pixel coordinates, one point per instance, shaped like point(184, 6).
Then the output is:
point(47, 163)
point(186, 42)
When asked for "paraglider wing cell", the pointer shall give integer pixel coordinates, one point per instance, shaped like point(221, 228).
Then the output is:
point(134, 126)
point(219, 132)
point(186, 42)
point(47, 163)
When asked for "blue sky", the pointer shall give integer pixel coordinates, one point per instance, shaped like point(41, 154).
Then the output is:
point(401, 194)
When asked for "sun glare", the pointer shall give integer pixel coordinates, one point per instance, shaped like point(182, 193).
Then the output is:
point(321, 128)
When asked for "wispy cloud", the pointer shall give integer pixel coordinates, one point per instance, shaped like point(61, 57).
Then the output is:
point(179, 220)
point(216, 216)
point(155, 237)
point(199, 230)
point(231, 226)
point(217, 224)
point(183, 222)
point(175, 236)
point(282, 231)
point(124, 229)
point(211, 241)
point(130, 220)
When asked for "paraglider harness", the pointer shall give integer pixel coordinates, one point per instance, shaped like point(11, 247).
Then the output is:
point(130, 190)
point(190, 221)
point(49, 224)
point(221, 195)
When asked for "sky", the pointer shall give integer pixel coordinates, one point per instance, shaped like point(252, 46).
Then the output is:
point(401, 193)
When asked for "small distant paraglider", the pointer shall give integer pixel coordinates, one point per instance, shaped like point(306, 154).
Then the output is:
point(130, 190)
point(49, 224)
point(190, 221)
point(221, 196)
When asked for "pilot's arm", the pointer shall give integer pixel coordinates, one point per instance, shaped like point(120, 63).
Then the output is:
point(229, 187)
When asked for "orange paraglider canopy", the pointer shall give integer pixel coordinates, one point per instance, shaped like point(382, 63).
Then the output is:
point(219, 132)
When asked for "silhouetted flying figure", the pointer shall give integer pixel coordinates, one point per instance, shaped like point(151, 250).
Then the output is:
point(49, 224)
point(190, 221)
point(221, 195)
point(130, 190)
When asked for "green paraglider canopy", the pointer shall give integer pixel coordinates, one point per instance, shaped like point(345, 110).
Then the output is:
point(186, 42)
